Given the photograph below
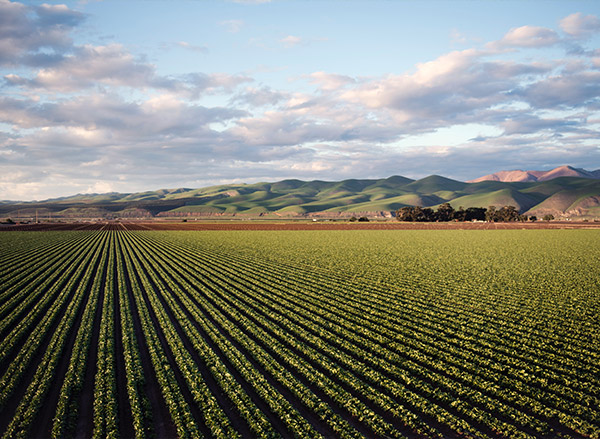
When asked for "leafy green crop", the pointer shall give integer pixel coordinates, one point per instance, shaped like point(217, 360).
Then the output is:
point(307, 334)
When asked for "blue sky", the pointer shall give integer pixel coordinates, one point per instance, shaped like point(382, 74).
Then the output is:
point(102, 96)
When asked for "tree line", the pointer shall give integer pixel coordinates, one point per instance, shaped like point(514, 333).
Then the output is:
point(445, 212)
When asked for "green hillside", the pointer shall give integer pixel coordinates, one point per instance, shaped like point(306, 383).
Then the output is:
point(435, 183)
point(565, 196)
point(501, 197)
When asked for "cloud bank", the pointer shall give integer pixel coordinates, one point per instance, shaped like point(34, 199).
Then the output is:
point(78, 117)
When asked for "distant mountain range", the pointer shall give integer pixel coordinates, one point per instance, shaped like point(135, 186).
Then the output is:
point(562, 196)
point(528, 176)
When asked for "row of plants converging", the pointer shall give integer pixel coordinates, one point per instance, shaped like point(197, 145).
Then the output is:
point(225, 334)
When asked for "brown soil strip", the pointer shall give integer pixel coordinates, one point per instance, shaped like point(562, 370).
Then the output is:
point(249, 225)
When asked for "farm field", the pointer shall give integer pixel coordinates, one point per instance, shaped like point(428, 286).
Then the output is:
point(307, 333)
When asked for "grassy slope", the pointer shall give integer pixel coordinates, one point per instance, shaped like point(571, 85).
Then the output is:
point(501, 197)
point(568, 194)
point(296, 196)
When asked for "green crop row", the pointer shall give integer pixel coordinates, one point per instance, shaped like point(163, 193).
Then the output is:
point(307, 334)
point(33, 398)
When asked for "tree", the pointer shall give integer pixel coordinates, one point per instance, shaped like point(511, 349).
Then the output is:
point(460, 214)
point(507, 214)
point(445, 212)
point(475, 214)
point(415, 214)
point(427, 215)
point(490, 215)
point(533, 218)
point(548, 217)
point(409, 213)
point(405, 214)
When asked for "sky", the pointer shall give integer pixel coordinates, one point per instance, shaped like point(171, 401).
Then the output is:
point(112, 96)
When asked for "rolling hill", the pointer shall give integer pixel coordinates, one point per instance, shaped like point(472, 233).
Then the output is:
point(562, 197)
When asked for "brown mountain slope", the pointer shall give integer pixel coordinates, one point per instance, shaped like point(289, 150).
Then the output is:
point(530, 176)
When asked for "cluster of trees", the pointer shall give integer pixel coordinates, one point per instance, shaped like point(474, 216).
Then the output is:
point(445, 212)
point(361, 219)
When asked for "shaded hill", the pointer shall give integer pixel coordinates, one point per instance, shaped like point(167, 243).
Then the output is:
point(531, 176)
point(563, 196)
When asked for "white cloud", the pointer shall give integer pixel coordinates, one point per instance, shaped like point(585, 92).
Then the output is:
point(438, 92)
point(578, 89)
point(457, 37)
point(259, 97)
point(580, 26)
point(214, 82)
point(317, 166)
point(99, 187)
point(79, 113)
point(291, 41)
point(91, 65)
point(331, 81)
point(444, 67)
point(100, 120)
point(192, 47)
point(232, 26)
point(529, 36)
point(61, 15)
point(25, 30)
point(527, 124)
